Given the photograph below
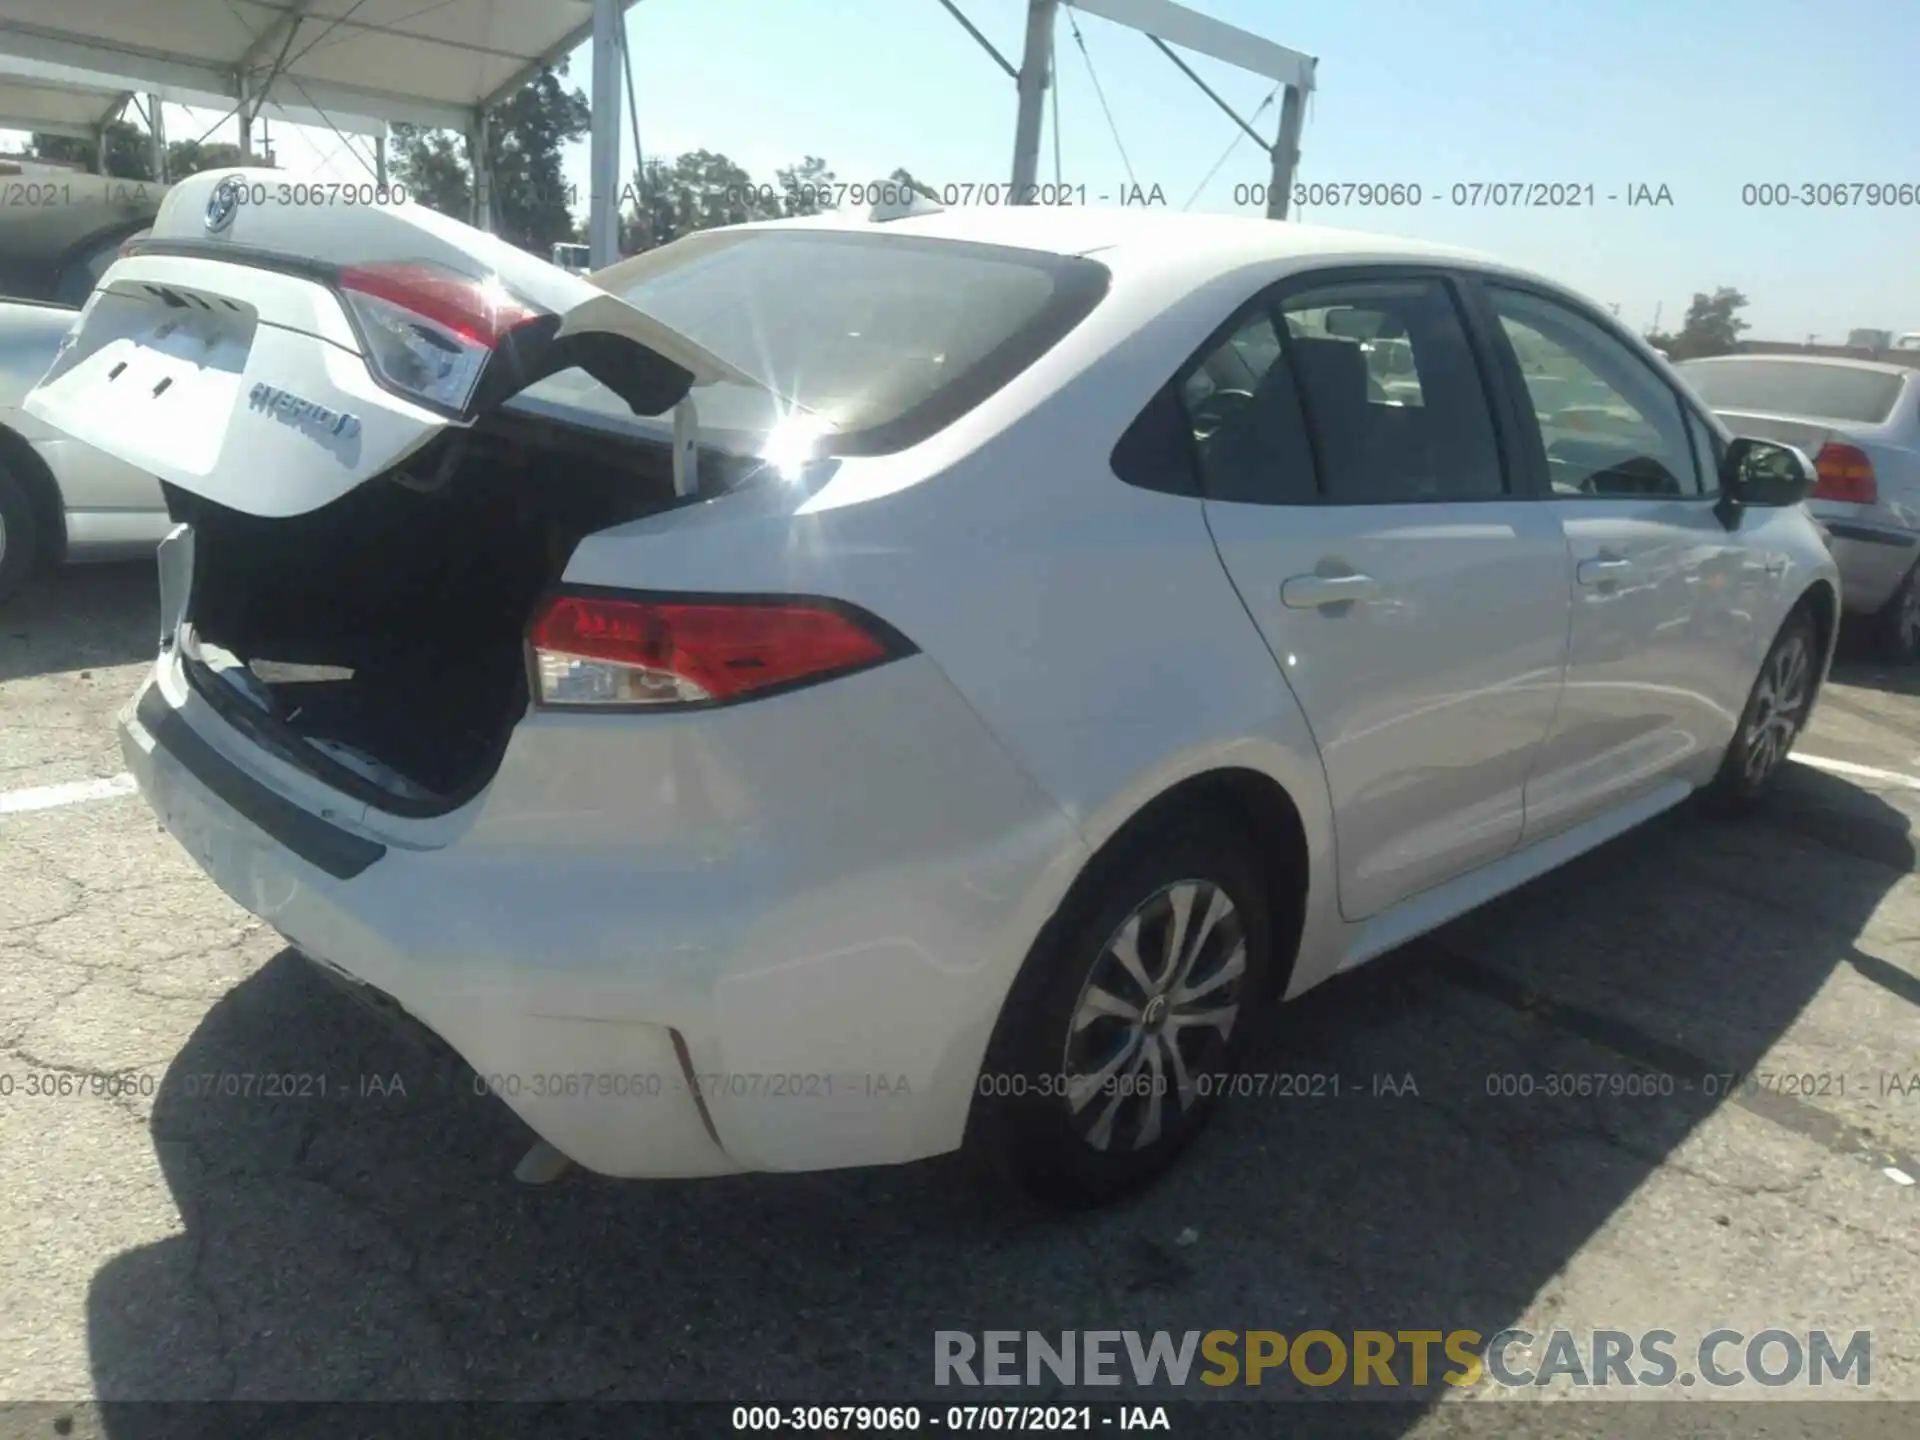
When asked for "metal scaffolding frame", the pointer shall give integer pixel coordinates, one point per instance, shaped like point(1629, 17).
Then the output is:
point(322, 61)
point(1166, 24)
point(352, 67)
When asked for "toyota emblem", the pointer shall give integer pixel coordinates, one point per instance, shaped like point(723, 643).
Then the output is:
point(223, 204)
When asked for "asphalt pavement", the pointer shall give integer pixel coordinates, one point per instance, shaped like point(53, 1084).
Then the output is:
point(167, 1245)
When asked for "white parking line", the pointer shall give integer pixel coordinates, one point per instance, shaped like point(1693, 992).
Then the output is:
point(74, 792)
point(1859, 772)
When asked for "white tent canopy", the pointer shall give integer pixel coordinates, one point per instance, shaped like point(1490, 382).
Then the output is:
point(62, 100)
point(57, 107)
point(406, 60)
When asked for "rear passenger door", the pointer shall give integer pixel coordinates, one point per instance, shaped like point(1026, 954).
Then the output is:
point(1361, 495)
point(1663, 619)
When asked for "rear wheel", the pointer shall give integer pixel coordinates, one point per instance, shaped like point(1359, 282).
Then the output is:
point(1897, 626)
point(1776, 710)
point(18, 535)
point(1116, 1040)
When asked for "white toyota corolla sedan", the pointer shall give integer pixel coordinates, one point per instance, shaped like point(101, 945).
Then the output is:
point(826, 691)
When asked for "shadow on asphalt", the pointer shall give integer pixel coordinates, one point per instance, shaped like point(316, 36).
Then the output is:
point(81, 617)
point(375, 1247)
point(1858, 660)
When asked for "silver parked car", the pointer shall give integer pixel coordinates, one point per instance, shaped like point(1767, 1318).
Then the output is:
point(1860, 421)
point(61, 499)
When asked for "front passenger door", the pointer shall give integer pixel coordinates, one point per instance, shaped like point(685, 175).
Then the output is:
point(1414, 600)
point(1660, 634)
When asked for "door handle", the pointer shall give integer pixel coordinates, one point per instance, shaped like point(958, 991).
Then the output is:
point(1607, 567)
point(1311, 592)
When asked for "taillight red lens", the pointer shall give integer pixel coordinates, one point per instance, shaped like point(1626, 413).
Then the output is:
point(595, 650)
point(475, 310)
point(1845, 472)
point(428, 332)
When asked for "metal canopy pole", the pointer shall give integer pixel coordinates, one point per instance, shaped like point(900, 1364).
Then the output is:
point(603, 164)
point(1286, 152)
point(1036, 64)
point(480, 156)
point(157, 137)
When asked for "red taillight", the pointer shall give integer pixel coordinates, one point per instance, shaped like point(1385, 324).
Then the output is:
point(1845, 473)
point(478, 311)
point(593, 650)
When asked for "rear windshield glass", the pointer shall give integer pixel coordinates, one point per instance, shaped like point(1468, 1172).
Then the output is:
point(885, 337)
point(1796, 387)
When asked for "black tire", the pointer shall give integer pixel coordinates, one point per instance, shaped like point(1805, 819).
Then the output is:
point(1771, 720)
point(1023, 1121)
point(19, 536)
point(1896, 628)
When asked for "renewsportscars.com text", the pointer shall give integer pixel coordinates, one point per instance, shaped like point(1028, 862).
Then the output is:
point(1511, 1358)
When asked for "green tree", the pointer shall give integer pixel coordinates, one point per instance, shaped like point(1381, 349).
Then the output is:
point(652, 219)
point(1712, 326)
point(807, 188)
point(432, 166)
point(703, 189)
point(190, 157)
point(525, 134)
point(129, 153)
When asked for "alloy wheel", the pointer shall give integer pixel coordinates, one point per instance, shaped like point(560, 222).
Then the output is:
point(1779, 700)
point(1157, 1006)
point(1909, 619)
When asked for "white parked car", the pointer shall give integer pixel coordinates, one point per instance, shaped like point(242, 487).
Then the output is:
point(1860, 421)
point(1036, 653)
point(61, 500)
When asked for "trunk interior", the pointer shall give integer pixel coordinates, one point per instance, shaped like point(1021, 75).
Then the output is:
point(378, 640)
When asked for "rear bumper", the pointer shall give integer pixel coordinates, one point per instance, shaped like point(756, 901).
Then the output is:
point(634, 942)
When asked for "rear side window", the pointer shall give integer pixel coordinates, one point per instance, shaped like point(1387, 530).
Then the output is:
point(1392, 393)
point(1796, 387)
point(887, 337)
point(1244, 412)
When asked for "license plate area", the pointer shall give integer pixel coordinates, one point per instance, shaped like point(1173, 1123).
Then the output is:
point(169, 362)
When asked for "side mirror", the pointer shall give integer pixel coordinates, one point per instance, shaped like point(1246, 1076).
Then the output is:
point(1765, 474)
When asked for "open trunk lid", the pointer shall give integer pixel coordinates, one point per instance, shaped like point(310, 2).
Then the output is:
point(271, 346)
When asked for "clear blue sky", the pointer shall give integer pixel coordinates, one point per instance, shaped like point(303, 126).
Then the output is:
point(1702, 96)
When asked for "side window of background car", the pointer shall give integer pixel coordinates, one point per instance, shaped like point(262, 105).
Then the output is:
point(1392, 393)
point(1241, 405)
point(1612, 428)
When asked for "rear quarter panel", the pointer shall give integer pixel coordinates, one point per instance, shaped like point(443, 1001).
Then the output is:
point(1089, 623)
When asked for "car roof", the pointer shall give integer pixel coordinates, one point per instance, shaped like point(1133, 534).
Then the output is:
point(1842, 362)
point(1144, 237)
